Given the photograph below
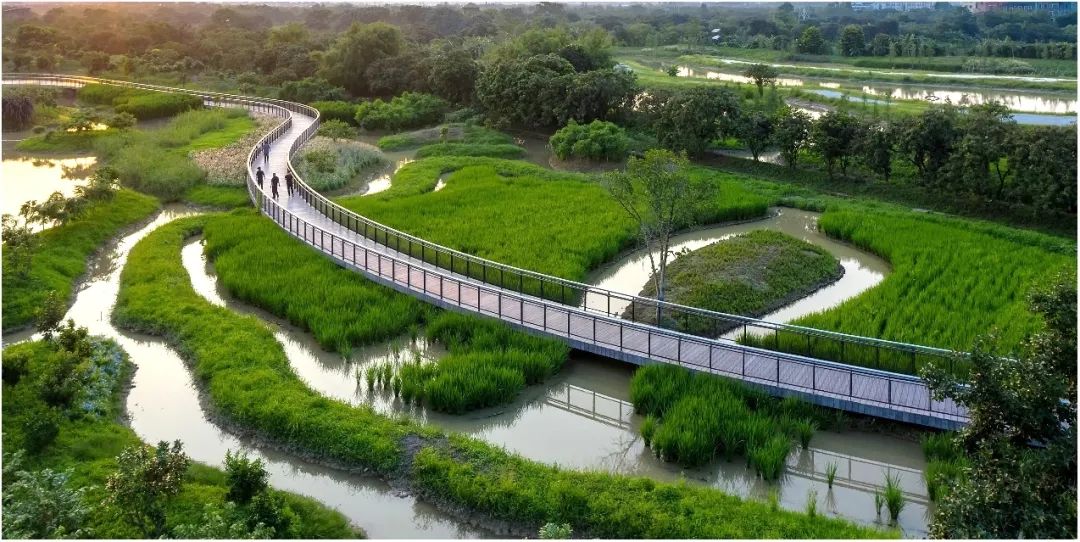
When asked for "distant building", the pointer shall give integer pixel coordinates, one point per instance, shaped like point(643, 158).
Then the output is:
point(1054, 8)
point(897, 6)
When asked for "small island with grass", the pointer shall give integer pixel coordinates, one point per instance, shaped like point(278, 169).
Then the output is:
point(751, 274)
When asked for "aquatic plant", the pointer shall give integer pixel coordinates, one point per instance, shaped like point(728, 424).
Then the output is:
point(894, 496)
point(648, 429)
point(941, 475)
point(942, 446)
point(769, 458)
point(247, 379)
point(830, 473)
point(879, 501)
point(811, 502)
point(326, 164)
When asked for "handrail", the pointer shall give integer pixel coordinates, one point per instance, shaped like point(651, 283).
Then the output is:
point(697, 321)
point(862, 389)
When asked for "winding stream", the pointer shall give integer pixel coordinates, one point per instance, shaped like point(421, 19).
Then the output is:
point(862, 270)
point(582, 419)
point(163, 404)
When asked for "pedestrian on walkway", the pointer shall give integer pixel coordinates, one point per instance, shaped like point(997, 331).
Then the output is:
point(259, 174)
point(273, 185)
point(266, 151)
point(288, 182)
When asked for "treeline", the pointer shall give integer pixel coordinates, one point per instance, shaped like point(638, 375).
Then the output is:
point(977, 151)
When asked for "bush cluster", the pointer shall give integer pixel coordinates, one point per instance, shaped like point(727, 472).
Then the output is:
point(598, 140)
point(409, 110)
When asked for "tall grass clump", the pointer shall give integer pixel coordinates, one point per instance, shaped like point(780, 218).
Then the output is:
point(471, 149)
point(247, 380)
point(811, 502)
point(446, 133)
point(699, 416)
point(830, 473)
point(945, 463)
point(327, 164)
point(894, 496)
point(157, 105)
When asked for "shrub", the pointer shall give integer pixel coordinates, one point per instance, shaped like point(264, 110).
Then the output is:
point(336, 129)
point(158, 104)
point(41, 504)
point(336, 110)
point(41, 427)
point(247, 477)
point(410, 110)
point(145, 479)
point(598, 140)
point(555, 531)
point(310, 90)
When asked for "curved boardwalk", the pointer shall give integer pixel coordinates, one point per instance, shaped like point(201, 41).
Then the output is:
point(345, 238)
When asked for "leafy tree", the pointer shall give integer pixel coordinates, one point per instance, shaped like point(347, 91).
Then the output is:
point(852, 40)
point(657, 193)
point(1042, 161)
point(336, 110)
point(50, 314)
point(42, 504)
point(526, 91)
point(876, 149)
point(452, 75)
point(986, 130)
point(791, 134)
point(597, 140)
point(756, 132)
point(811, 41)
point(20, 242)
point(927, 141)
point(1021, 440)
point(102, 185)
point(596, 95)
point(762, 74)
point(247, 477)
point(879, 46)
point(346, 61)
point(95, 61)
point(269, 509)
point(310, 90)
point(834, 137)
point(145, 479)
point(693, 118)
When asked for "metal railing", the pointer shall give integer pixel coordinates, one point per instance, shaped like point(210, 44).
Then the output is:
point(834, 384)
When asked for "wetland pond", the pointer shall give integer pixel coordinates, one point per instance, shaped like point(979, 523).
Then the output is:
point(581, 418)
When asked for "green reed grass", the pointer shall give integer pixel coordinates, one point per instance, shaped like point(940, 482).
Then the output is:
point(830, 473)
point(894, 496)
point(61, 255)
point(811, 502)
point(247, 379)
point(699, 416)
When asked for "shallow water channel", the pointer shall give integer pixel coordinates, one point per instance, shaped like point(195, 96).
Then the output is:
point(163, 404)
point(862, 270)
point(582, 418)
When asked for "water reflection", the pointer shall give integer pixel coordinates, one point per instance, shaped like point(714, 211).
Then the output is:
point(582, 419)
point(686, 71)
point(26, 178)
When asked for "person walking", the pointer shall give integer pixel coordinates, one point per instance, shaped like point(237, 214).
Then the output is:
point(266, 151)
point(259, 174)
point(273, 185)
point(288, 182)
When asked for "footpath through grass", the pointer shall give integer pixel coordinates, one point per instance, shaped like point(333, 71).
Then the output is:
point(248, 381)
point(87, 438)
point(60, 258)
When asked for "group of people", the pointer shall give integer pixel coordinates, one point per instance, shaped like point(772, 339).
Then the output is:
point(274, 181)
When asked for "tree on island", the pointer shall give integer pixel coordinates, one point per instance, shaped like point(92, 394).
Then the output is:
point(762, 74)
point(657, 193)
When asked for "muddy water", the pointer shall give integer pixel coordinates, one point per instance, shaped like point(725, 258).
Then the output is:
point(583, 419)
point(163, 404)
point(26, 178)
point(862, 270)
